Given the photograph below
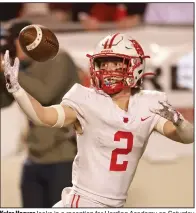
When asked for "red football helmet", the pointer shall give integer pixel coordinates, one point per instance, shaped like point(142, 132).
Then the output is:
point(120, 47)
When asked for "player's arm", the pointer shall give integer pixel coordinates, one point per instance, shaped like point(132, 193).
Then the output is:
point(53, 116)
point(172, 124)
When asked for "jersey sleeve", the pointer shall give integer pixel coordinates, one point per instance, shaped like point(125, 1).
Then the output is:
point(75, 98)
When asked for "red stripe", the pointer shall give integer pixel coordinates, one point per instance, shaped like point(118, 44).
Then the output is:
point(111, 41)
point(72, 201)
point(106, 43)
point(77, 201)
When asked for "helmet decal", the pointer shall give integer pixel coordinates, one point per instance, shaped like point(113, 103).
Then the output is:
point(137, 47)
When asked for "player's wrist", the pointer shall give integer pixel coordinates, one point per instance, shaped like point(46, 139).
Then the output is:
point(15, 89)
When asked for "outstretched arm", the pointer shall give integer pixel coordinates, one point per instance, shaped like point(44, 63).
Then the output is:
point(173, 125)
point(53, 116)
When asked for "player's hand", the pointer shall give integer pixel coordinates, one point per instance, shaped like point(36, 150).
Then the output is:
point(168, 112)
point(11, 73)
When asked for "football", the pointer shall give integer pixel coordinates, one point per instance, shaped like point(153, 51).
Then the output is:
point(38, 42)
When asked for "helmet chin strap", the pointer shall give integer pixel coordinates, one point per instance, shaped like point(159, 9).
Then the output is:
point(107, 86)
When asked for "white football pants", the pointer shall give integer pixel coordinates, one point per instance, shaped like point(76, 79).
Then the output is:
point(71, 200)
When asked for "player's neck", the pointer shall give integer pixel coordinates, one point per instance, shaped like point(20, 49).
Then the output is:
point(122, 99)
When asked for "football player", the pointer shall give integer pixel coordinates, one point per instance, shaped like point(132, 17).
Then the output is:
point(113, 120)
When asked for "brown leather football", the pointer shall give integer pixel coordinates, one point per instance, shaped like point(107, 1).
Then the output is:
point(38, 42)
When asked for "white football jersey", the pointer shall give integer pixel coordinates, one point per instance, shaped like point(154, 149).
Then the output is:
point(112, 142)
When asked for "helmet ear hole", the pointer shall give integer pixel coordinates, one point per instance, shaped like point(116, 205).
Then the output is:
point(139, 72)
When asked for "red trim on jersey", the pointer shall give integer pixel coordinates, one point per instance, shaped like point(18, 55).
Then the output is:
point(77, 201)
point(111, 41)
point(72, 201)
point(106, 44)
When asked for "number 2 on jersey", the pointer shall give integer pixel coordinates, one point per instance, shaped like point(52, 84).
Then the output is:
point(114, 166)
